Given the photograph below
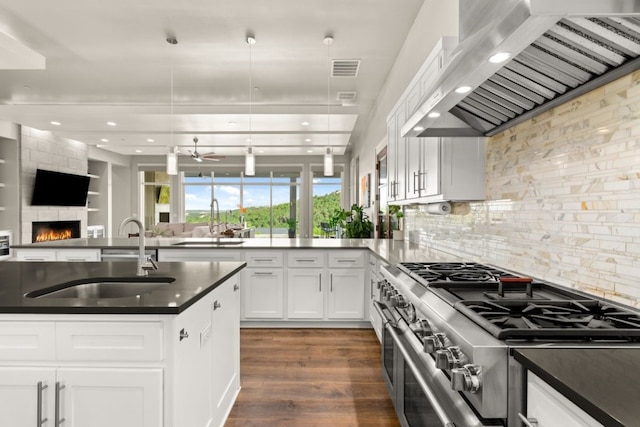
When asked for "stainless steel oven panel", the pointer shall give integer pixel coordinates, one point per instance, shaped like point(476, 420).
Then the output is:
point(479, 347)
point(447, 404)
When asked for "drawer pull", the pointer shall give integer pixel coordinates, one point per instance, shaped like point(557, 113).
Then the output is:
point(320, 283)
point(264, 259)
point(347, 260)
point(262, 273)
point(304, 260)
point(183, 334)
point(529, 422)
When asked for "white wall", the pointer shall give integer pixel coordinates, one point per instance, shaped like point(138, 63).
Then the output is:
point(42, 150)
point(435, 20)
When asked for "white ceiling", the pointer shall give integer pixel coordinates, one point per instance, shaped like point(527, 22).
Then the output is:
point(108, 60)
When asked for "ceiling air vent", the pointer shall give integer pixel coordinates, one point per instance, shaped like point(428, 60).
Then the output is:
point(345, 67)
point(346, 96)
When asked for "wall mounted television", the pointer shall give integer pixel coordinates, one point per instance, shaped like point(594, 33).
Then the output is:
point(59, 189)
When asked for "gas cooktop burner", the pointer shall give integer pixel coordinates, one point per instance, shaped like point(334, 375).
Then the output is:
point(450, 272)
point(584, 320)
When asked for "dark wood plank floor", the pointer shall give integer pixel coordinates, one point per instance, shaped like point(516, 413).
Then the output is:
point(311, 377)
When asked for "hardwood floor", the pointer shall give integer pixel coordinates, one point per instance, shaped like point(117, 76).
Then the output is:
point(311, 377)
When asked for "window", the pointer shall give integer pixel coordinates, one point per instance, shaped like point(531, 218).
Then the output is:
point(326, 200)
point(155, 197)
point(262, 202)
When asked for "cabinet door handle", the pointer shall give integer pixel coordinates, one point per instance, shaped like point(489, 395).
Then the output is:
point(264, 259)
point(76, 259)
point(331, 277)
point(236, 287)
point(183, 334)
point(216, 305)
point(304, 260)
point(371, 283)
point(529, 422)
point(320, 282)
point(58, 419)
point(352, 260)
point(34, 259)
point(416, 182)
point(263, 273)
point(39, 419)
point(423, 181)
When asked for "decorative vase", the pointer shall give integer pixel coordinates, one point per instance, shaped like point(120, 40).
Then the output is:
point(398, 234)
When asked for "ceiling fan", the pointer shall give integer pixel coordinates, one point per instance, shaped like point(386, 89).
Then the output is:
point(200, 157)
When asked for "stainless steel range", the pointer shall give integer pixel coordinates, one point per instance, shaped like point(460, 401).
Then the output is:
point(449, 328)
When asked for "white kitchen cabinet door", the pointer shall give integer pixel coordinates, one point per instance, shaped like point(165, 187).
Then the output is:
point(19, 403)
point(193, 357)
point(110, 397)
point(225, 336)
point(263, 293)
point(551, 409)
point(305, 293)
point(346, 294)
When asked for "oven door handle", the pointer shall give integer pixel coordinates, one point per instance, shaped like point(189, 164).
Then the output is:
point(439, 410)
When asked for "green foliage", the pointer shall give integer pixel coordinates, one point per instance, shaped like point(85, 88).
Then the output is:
point(360, 225)
point(260, 216)
point(291, 223)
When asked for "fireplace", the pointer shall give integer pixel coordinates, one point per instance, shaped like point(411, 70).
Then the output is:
point(46, 231)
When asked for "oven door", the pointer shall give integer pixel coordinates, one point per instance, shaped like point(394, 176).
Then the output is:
point(421, 393)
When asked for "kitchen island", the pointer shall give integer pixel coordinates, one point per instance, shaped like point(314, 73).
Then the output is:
point(167, 357)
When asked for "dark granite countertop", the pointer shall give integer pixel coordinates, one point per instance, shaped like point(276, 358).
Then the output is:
point(605, 383)
point(193, 280)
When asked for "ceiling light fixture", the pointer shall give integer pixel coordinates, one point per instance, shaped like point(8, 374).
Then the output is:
point(433, 115)
point(112, 123)
point(328, 155)
point(172, 155)
point(463, 89)
point(104, 140)
point(418, 128)
point(151, 140)
point(249, 158)
point(55, 123)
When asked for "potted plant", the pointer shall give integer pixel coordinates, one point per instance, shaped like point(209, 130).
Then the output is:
point(337, 220)
point(396, 229)
point(291, 227)
point(360, 226)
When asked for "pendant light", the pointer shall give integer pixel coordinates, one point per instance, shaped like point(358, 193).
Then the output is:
point(172, 156)
point(328, 155)
point(249, 159)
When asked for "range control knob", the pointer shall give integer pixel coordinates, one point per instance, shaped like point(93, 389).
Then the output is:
point(422, 328)
point(449, 358)
point(393, 299)
point(411, 313)
point(434, 342)
point(401, 301)
point(466, 378)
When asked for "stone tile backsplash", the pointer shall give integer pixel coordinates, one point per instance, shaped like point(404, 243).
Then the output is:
point(562, 198)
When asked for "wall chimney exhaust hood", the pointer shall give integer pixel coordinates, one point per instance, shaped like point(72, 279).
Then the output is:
point(556, 50)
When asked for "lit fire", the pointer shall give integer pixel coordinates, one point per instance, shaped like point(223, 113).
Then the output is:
point(48, 235)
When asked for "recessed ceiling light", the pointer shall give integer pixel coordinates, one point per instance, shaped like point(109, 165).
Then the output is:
point(151, 140)
point(433, 115)
point(232, 123)
point(418, 128)
point(463, 89)
point(248, 140)
point(99, 145)
point(261, 151)
point(499, 57)
point(305, 123)
point(104, 140)
point(111, 123)
point(309, 151)
point(138, 151)
point(307, 140)
point(53, 122)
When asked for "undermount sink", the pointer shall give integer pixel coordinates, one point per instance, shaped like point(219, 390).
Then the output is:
point(113, 287)
point(209, 243)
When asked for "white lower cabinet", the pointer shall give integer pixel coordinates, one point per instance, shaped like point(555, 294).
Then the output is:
point(346, 294)
point(263, 293)
point(305, 293)
point(549, 408)
point(65, 255)
point(81, 397)
point(123, 370)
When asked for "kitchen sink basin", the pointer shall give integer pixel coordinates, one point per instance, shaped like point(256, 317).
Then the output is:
point(115, 287)
point(211, 243)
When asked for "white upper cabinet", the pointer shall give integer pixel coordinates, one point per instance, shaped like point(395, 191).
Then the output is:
point(433, 169)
